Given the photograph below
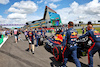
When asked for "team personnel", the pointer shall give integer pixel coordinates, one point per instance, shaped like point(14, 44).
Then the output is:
point(35, 32)
point(44, 32)
point(70, 45)
point(94, 35)
point(63, 33)
point(38, 36)
point(41, 32)
point(31, 40)
point(83, 30)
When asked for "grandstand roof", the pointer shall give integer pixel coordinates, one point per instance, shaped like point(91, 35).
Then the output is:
point(46, 15)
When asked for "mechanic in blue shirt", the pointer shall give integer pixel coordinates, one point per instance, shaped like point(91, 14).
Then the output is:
point(70, 45)
point(41, 32)
point(38, 36)
point(94, 35)
point(35, 32)
point(44, 32)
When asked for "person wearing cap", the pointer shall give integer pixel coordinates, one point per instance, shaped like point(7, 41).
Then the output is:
point(31, 40)
point(70, 46)
point(94, 35)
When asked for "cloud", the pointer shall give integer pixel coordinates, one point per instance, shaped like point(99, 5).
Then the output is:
point(45, 2)
point(0, 16)
point(26, 7)
point(12, 9)
point(40, 1)
point(86, 12)
point(31, 18)
point(52, 5)
point(16, 21)
point(20, 11)
point(49, 1)
point(1, 19)
point(99, 15)
point(12, 21)
point(17, 16)
point(4, 1)
point(82, 17)
point(20, 21)
point(55, 0)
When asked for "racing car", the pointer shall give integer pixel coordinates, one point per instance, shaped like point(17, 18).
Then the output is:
point(58, 50)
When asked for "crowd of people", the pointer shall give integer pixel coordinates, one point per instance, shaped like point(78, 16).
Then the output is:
point(6, 32)
point(70, 44)
point(32, 35)
point(36, 34)
point(69, 40)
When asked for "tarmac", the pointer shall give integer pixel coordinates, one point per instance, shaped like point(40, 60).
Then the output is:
point(15, 55)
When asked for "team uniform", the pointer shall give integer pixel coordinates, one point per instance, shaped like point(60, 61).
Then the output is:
point(41, 32)
point(44, 33)
point(31, 38)
point(63, 34)
point(70, 47)
point(35, 33)
point(94, 35)
point(38, 36)
point(83, 31)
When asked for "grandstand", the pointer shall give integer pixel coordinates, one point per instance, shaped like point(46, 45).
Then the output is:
point(50, 19)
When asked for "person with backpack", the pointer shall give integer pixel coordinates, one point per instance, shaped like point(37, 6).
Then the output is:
point(16, 34)
point(19, 34)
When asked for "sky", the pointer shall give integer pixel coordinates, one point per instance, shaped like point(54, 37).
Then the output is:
point(21, 11)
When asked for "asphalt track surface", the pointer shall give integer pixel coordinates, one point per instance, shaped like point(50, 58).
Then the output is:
point(15, 55)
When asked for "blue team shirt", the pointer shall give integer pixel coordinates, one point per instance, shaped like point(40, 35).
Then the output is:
point(70, 37)
point(30, 35)
point(93, 33)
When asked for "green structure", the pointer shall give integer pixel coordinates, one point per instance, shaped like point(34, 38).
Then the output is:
point(52, 17)
point(1, 39)
point(55, 19)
